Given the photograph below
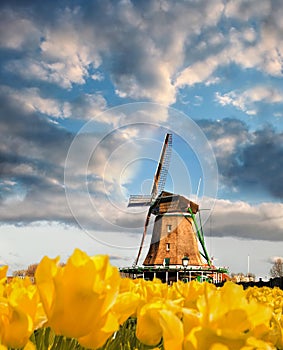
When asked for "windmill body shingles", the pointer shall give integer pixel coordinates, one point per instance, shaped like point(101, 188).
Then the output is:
point(181, 239)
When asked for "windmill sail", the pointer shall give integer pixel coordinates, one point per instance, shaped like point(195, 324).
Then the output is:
point(159, 178)
point(162, 169)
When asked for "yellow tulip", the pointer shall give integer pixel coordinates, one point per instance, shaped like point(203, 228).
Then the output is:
point(29, 346)
point(190, 292)
point(77, 297)
point(159, 319)
point(218, 346)
point(3, 272)
point(134, 294)
point(253, 343)
point(86, 299)
point(19, 312)
point(225, 316)
point(149, 330)
point(172, 330)
point(126, 305)
point(150, 290)
point(154, 290)
point(103, 329)
point(272, 297)
point(128, 300)
point(191, 319)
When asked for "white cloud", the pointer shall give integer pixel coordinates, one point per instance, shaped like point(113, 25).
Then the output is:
point(249, 100)
point(27, 68)
point(197, 73)
point(88, 106)
point(243, 220)
point(63, 74)
point(244, 10)
point(168, 45)
point(225, 145)
point(213, 81)
point(17, 32)
point(30, 100)
point(141, 67)
point(85, 106)
point(258, 47)
point(249, 35)
point(66, 55)
point(63, 57)
point(161, 92)
point(97, 76)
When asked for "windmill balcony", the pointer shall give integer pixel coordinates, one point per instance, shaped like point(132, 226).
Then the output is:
point(174, 273)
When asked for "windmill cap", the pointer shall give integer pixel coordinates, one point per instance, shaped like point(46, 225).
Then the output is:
point(168, 202)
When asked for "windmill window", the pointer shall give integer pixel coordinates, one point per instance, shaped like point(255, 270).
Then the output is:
point(167, 247)
point(169, 228)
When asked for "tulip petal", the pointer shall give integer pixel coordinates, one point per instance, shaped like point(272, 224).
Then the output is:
point(172, 330)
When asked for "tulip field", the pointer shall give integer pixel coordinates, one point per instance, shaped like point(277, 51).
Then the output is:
point(85, 304)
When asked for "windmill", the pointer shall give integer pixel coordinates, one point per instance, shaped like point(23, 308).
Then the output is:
point(173, 234)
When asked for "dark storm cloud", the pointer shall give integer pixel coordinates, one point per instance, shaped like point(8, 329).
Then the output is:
point(33, 152)
point(225, 127)
point(261, 162)
point(247, 159)
point(242, 220)
point(28, 134)
point(32, 155)
point(40, 11)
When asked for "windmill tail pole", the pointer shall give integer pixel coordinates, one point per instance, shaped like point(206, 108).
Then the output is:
point(200, 238)
point(143, 237)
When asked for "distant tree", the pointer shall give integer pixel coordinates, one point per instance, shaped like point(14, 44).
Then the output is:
point(251, 276)
point(31, 270)
point(19, 273)
point(277, 268)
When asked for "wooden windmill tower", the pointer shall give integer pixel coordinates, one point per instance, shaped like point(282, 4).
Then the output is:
point(174, 235)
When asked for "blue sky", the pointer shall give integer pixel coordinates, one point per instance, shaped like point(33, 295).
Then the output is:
point(88, 90)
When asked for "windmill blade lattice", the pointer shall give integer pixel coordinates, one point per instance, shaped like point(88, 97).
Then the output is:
point(159, 178)
point(163, 166)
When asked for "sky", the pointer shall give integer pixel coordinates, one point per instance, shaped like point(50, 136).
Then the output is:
point(88, 91)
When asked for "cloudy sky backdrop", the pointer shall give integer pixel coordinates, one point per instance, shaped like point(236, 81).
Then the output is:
point(72, 149)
